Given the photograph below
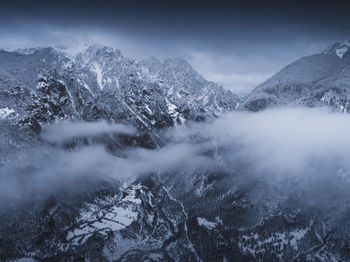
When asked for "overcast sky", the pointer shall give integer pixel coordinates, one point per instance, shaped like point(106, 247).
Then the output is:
point(236, 43)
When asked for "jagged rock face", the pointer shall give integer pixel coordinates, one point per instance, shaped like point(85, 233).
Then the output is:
point(24, 67)
point(51, 102)
point(317, 80)
point(100, 83)
point(159, 93)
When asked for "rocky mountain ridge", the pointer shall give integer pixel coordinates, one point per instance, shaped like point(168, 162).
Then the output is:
point(100, 83)
point(312, 81)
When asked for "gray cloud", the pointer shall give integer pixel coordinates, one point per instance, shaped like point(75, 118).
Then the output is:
point(287, 141)
point(66, 130)
point(296, 151)
point(46, 170)
point(294, 154)
point(236, 44)
point(239, 66)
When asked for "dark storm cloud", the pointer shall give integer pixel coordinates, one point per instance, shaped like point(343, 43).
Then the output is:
point(237, 43)
point(186, 18)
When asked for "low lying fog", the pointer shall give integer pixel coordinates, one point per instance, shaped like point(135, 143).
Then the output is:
point(300, 144)
point(287, 141)
point(66, 130)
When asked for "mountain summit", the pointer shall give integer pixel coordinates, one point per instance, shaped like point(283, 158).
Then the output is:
point(317, 80)
point(339, 48)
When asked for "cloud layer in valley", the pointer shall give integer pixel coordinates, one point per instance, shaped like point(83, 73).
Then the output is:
point(67, 130)
point(283, 140)
point(309, 147)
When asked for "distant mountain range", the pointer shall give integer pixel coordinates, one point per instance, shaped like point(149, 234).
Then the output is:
point(100, 83)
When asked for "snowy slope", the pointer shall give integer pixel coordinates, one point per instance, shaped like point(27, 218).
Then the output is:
point(316, 80)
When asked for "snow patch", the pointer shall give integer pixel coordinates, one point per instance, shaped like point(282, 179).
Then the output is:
point(5, 112)
point(254, 244)
point(94, 219)
point(173, 111)
point(343, 48)
point(117, 82)
point(341, 51)
point(205, 223)
point(172, 108)
point(99, 75)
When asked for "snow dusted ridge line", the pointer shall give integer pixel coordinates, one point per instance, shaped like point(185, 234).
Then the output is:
point(313, 81)
point(100, 83)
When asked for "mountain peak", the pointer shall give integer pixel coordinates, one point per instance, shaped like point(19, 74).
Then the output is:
point(99, 52)
point(100, 58)
point(313, 81)
point(102, 49)
point(338, 48)
point(178, 63)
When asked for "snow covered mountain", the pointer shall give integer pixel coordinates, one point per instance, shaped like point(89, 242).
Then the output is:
point(39, 86)
point(195, 214)
point(313, 81)
point(99, 83)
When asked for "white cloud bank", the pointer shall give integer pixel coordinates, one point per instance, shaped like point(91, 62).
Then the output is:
point(284, 140)
point(67, 129)
point(307, 145)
